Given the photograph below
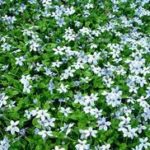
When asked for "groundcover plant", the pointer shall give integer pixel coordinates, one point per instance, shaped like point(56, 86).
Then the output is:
point(75, 75)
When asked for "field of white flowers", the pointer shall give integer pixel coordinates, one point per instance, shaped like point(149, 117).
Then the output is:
point(75, 75)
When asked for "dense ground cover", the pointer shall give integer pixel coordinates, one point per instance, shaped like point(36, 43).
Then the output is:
point(75, 75)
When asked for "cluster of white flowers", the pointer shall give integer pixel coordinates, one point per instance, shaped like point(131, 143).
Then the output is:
point(69, 35)
point(87, 100)
point(75, 75)
point(59, 14)
point(43, 119)
point(34, 42)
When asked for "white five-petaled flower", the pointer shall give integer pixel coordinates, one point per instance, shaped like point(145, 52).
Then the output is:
point(88, 133)
point(62, 88)
point(103, 147)
point(113, 98)
point(13, 127)
point(26, 84)
point(82, 145)
point(3, 99)
point(69, 35)
point(144, 143)
point(65, 111)
point(103, 124)
point(4, 144)
point(20, 60)
point(45, 133)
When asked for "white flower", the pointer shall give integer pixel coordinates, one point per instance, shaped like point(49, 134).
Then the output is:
point(78, 98)
point(69, 11)
point(65, 111)
point(3, 99)
point(144, 143)
point(85, 80)
point(67, 128)
point(27, 114)
point(146, 113)
point(45, 133)
point(4, 144)
point(96, 70)
point(4, 67)
point(89, 5)
point(27, 89)
point(57, 64)
point(67, 73)
point(137, 65)
point(6, 47)
point(142, 102)
point(51, 86)
point(58, 148)
point(90, 99)
point(77, 23)
point(26, 85)
point(42, 114)
point(78, 65)
point(103, 124)
point(88, 133)
point(48, 72)
point(128, 131)
point(69, 35)
point(62, 88)
point(103, 147)
point(59, 50)
point(82, 145)
point(47, 122)
point(9, 19)
point(141, 128)
point(93, 46)
point(108, 81)
point(92, 111)
point(148, 92)
point(34, 112)
point(124, 121)
point(85, 31)
point(60, 21)
point(20, 60)
point(46, 2)
point(13, 127)
point(94, 58)
point(34, 45)
point(113, 98)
